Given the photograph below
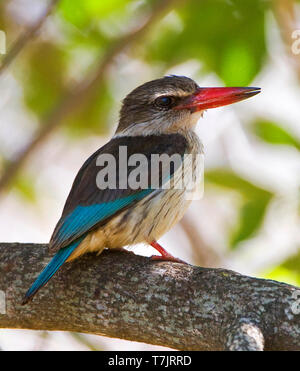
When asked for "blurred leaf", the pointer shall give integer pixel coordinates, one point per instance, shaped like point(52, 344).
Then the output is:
point(293, 263)
point(94, 117)
point(83, 13)
point(253, 206)
point(43, 75)
point(274, 134)
point(92, 39)
point(239, 65)
point(288, 271)
point(283, 275)
point(251, 218)
point(226, 36)
point(228, 179)
point(24, 185)
point(2, 16)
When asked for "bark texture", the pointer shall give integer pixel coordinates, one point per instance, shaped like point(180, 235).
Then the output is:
point(123, 295)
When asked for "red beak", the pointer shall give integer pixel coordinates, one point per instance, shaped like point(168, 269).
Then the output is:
point(206, 98)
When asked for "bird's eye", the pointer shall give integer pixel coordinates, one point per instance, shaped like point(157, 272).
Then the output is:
point(164, 102)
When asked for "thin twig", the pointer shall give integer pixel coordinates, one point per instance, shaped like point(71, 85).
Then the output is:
point(203, 254)
point(78, 95)
point(26, 37)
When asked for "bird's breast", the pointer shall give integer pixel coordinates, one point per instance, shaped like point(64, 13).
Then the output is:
point(155, 214)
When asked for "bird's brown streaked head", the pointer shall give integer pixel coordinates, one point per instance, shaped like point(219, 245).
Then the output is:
point(172, 103)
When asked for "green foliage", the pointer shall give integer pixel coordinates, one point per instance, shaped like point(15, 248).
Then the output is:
point(274, 134)
point(94, 116)
point(282, 274)
point(251, 218)
point(254, 202)
point(293, 263)
point(43, 74)
point(288, 271)
point(24, 185)
point(84, 13)
point(226, 36)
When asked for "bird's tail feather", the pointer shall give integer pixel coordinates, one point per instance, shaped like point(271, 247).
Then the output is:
point(50, 269)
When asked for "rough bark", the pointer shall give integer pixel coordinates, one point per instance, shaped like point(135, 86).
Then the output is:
point(127, 296)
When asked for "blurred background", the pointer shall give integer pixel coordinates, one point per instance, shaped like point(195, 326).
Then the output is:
point(69, 63)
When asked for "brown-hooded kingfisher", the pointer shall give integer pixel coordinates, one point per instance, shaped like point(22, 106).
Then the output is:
point(158, 117)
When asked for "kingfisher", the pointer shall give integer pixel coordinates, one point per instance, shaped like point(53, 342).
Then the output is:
point(156, 118)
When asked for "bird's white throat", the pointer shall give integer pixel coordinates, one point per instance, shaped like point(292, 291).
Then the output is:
point(187, 121)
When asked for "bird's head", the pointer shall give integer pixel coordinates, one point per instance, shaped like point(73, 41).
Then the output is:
point(172, 103)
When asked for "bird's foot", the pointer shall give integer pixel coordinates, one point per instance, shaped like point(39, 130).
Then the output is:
point(165, 256)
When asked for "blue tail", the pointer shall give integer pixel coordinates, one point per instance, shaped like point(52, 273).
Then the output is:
point(50, 269)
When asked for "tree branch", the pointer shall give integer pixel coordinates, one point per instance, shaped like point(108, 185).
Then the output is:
point(203, 254)
point(127, 296)
point(244, 335)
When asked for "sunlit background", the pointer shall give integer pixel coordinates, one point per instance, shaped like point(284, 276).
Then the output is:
point(59, 99)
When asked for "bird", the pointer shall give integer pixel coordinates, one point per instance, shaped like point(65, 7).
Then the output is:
point(156, 118)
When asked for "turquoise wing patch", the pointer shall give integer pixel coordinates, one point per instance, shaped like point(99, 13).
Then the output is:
point(83, 218)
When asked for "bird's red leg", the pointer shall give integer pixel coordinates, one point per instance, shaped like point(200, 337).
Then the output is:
point(164, 254)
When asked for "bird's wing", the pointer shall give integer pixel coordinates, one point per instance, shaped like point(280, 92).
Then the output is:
point(87, 206)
